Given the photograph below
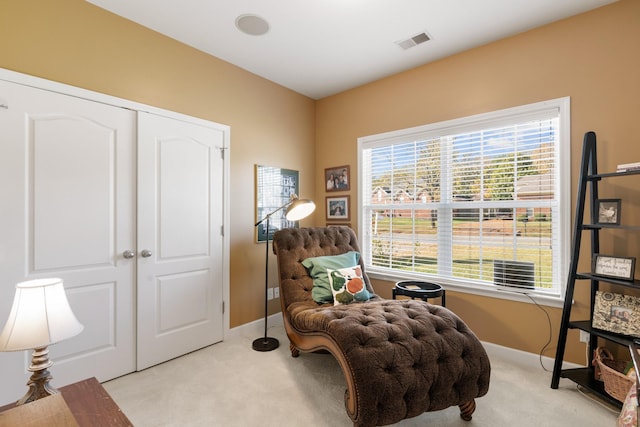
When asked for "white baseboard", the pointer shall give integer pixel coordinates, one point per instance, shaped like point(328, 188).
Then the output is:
point(524, 358)
point(255, 328)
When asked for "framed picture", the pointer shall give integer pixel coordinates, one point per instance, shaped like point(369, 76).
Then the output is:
point(608, 211)
point(338, 208)
point(339, 224)
point(337, 178)
point(614, 267)
point(274, 187)
point(617, 313)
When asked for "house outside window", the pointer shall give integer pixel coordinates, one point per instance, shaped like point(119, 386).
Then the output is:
point(479, 204)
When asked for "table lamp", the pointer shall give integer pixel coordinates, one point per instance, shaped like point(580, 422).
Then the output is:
point(40, 316)
point(297, 209)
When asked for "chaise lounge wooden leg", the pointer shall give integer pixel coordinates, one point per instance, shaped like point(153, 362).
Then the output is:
point(294, 351)
point(467, 409)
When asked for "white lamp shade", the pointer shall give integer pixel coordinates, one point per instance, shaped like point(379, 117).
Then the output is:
point(299, 209)
point(40, 316)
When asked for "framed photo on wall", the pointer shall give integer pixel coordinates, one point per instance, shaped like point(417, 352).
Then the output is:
point(337, 178)
point(274, 187)
point(608, 211)
point(338, 208)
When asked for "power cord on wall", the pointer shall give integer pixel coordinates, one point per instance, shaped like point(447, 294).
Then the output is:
point(581, 390)
point(548, 322)
point(550, 330)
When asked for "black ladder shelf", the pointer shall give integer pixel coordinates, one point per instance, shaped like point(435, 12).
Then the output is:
point(589, 177)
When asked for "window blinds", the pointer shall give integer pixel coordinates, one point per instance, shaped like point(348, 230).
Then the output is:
point(476, 203)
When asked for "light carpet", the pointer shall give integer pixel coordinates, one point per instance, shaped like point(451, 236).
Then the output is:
point(229, 384)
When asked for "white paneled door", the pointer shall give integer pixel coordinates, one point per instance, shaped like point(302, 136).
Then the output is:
point(67, 190)
point(127, 208)
point(179, 237)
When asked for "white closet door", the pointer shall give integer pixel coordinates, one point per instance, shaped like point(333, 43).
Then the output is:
point(180, 245)
point(68, 205)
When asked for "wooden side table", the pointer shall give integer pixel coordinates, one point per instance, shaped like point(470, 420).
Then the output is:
point(419, 289)
point(90, 405)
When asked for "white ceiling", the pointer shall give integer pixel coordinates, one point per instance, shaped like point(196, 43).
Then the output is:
point(322, 47)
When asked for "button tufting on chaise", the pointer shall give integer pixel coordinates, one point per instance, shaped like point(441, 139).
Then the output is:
point(400, 357)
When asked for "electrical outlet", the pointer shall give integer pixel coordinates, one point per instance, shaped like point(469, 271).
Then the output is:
point(276, 292)
point(584, 336)
point(270, 293)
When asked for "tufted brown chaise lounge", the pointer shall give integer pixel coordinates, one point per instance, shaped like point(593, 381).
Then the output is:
point(400, 358)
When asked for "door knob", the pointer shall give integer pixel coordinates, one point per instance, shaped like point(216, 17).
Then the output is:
point(146, 253)
point(128, 254)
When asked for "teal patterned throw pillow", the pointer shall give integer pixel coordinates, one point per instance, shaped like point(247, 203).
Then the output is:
point(317, 267)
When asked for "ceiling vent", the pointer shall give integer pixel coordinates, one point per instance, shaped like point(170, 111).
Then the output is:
point(413, 41)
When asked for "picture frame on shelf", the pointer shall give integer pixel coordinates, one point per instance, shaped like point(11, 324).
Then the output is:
point(337, 178)
point(617, 313)
point(337, 208)
point(608, 211)
point(615, 267)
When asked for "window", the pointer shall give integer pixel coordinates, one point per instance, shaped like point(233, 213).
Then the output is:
point(478, 203)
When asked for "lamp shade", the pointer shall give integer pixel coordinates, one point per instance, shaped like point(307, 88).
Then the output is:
point(40, 316)
point(299, 209)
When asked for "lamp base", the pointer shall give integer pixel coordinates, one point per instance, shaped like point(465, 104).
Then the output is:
point(38, 383)
point(265, 344)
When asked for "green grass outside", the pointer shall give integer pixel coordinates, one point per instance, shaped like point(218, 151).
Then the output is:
point(468, 261)
point(425, 226)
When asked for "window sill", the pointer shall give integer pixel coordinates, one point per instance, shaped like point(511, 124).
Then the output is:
point(501, 293)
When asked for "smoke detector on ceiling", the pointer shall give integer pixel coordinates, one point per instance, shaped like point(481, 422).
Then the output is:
point(413, 41)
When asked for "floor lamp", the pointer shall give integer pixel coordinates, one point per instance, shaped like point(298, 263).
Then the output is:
point(297, 209)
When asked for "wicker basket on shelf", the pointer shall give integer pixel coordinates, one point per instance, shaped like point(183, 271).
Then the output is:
point(616, 383)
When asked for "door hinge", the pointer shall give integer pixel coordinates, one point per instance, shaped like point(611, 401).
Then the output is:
point(222, 230)
point(222, 307)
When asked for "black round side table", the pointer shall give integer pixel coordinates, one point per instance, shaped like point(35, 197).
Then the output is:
point(419, 289)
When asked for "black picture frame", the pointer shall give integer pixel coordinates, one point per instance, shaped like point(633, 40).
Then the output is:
point(615, 267)
point(608, 211)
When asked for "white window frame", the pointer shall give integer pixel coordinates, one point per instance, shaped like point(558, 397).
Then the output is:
point(561, 106)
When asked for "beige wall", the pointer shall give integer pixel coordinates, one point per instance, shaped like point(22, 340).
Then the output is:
point(74, 42)
point(594, 58)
